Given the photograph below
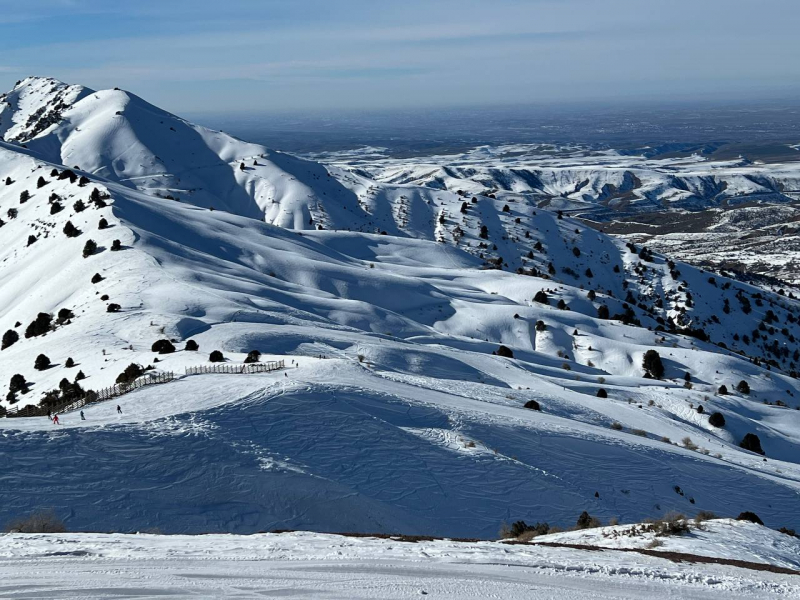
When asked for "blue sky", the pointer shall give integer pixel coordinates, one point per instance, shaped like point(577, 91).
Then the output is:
point(264, 55)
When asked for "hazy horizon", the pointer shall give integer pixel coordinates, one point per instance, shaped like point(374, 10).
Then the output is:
point(251, 56)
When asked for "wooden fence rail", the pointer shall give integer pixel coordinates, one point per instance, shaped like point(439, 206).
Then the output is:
point(259, 367)
point(120, 389)
point(93, 396)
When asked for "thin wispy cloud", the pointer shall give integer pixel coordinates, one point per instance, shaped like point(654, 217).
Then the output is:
point(419, 52)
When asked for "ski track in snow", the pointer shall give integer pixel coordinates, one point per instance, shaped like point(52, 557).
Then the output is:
point(326, 566)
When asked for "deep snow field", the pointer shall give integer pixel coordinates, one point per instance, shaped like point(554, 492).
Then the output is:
point(395, 414)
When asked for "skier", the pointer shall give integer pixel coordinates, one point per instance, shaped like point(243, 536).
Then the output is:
point(55, 420)
point(82, 417)
point(119, 410)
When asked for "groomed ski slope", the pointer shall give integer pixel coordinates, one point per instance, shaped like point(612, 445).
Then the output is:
point(334, 446)
point(310, 565)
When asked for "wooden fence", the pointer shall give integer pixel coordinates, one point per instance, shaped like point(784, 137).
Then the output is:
point(259, 367)
point(120, 389)
point(91, 396)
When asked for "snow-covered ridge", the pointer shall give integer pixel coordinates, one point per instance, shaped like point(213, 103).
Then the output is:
point(603, 185)
point(118, 136)
point(412, 422)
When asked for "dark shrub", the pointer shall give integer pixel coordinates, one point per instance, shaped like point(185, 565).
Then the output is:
point(561, 304)
point(24, 196)
point(17, 384)
point(743, 387)
point(672, 523)
point(40, 183)
point(103, 224)
point(540, 326)
point(80, 376)
point(163, 347)
point(97, 278)
point(70, 230)
point(603, 312)
point(10, 338)
point(700, 409)
point(113, 307)
point(587, 521)
point(520, 527)
point(253, 356)
point(652, 364)
point(89, 248)
point(716, 420)
point(56, 208)
point(505, 351)
point(131, 373)
point(79, 206)
point(41, 325)
point(541, 296)
point(601, 393)
point(216, 356)
point(65, 315)
point(39, 522)
point(749, 516)
point(32, 239)
point(751, 442)
point(191, 345)
point(533, 405)
point(723, 390)
point(41, 363)
point(83, 181)
point(116, 246)
point(69, 363)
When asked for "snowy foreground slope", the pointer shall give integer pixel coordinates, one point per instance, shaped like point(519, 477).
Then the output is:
point(327, 566)
point(395, 413)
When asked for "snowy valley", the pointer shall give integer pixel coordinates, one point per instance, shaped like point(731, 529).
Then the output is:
point(460, 351)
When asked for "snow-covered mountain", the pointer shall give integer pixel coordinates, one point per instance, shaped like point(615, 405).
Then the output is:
point(762, 239)
point(399, 411)
point(601, 184)
point(118, 136)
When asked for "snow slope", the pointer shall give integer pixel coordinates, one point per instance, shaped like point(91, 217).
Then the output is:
point(329, 566)
point(410, 423)
point(119, 136)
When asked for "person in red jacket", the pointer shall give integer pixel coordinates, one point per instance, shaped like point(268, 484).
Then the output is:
point(55, 419)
